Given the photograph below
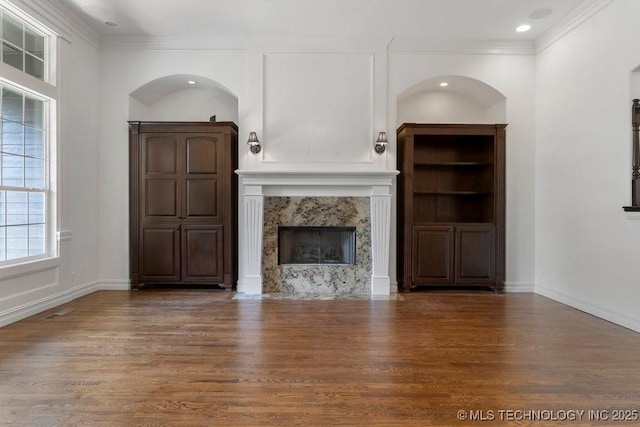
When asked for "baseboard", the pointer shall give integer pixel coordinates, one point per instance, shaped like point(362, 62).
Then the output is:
point(519, 287)
point(34, 307)
point(114, 285)
point(621, 319)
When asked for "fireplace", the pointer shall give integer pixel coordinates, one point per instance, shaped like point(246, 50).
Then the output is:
point(316, 245)
point(272, 199)
point(320, 224)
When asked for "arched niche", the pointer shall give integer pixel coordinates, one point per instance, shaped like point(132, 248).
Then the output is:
point(172, 98)
point(463, 100)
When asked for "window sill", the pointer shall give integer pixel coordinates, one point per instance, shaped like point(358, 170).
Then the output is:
point(27, 267)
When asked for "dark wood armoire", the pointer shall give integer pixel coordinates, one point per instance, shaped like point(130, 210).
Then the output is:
point(183, 203)
point(451, 205)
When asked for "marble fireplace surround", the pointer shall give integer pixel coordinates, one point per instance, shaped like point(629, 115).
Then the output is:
point(256, 185)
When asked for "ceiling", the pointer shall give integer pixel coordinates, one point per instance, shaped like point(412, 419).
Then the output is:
point(285, 19)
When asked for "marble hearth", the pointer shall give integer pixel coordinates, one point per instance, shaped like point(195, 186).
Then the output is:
point(270, 199)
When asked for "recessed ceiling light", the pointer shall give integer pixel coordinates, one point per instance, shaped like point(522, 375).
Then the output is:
point(192, 82)
point(111, 23)
point(444, 84)
point(523, 28)
point(540, 13)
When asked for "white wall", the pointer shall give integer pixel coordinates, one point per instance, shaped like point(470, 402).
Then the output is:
point(187, 105)
point(514, 77)
point(587, 247)
point(32, 287)
point(439, 107)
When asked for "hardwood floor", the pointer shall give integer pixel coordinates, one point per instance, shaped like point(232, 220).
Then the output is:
point(199, 358)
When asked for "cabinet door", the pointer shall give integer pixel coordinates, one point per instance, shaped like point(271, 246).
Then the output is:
point(475, 254)
point(160, 177)
point(160, 253)
point(203, 173)
point(433, 254)
point(202, 253)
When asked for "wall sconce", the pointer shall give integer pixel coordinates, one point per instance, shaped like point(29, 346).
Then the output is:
point(381, 143)
point(253, 143)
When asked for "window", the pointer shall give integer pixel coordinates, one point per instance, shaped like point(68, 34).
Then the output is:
point(22, 46)
point(25, 194)
point(22, 176)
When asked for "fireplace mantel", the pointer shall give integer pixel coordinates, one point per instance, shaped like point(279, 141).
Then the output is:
point(317, 183)
point(256, 184)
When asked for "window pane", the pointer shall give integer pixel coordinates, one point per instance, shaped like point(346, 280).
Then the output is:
point(34, 43)
point(17, 208)
point(3, 207)
point(3, 244)
point(36, 239)
point(12, 170)
point(34, 173)
point(12, 138)
point(17, 241)
point(34, 143)
point(36, 208)
point(34, 66)
point(12, 31)
point(34, 112)
point(12, 105)
point(12, 56)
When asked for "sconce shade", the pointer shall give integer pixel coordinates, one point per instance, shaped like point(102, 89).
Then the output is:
point(381, 143)
point(253, 143)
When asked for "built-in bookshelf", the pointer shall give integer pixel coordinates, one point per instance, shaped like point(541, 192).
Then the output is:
point(451, 193)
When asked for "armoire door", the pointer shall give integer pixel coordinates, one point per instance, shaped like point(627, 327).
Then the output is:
point(201, 253)
point(161, 176)
point(160, 253)
point(202, 178)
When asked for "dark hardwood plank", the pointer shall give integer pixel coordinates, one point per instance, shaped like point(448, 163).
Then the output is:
point(199, 358)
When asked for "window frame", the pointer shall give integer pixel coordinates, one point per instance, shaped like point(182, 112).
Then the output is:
point(46, 90)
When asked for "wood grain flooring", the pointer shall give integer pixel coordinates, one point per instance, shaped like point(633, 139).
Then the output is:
point(200, 358)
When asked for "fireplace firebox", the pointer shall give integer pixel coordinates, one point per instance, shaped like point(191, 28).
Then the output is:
point(317, 245)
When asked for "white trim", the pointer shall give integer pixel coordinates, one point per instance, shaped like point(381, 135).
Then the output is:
point(256, 184)
point(264, 45)
point(576, 18)
point(34, 307)
point(64, 235)
point(27, 83)
point(519, 287)
point(633, 216)
point(28, 267)
point(464, 47)
point(114, 285)
point(627, 320)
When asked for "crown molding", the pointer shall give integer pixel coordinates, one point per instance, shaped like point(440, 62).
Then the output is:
point(476, 47)
point(124, 43)
point(271, 45)
point(468, 47)
point(576, 18)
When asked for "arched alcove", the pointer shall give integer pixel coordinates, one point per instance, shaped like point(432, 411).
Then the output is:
point(173, 98)
point(463, 100)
